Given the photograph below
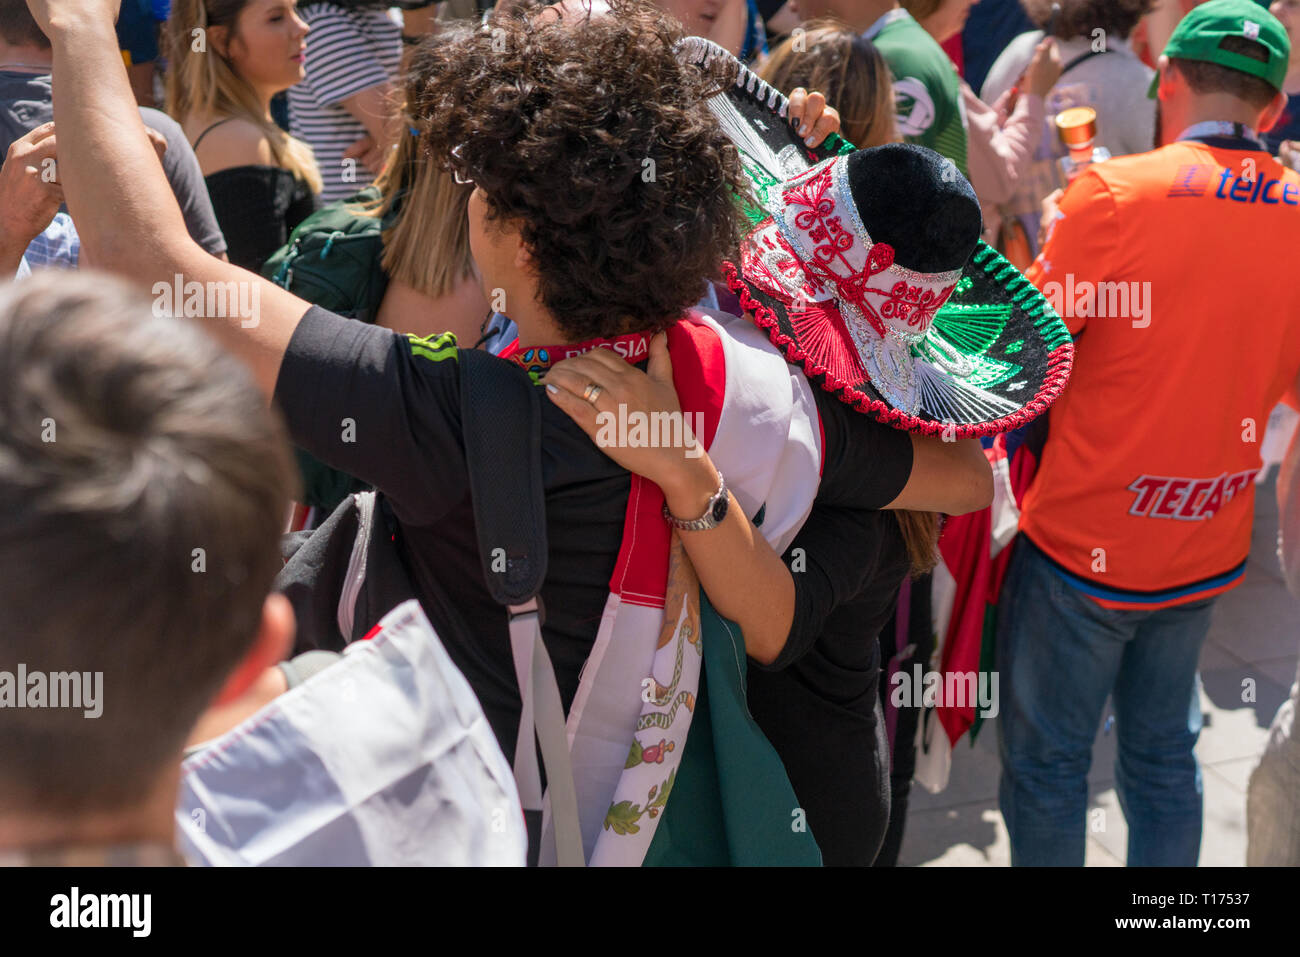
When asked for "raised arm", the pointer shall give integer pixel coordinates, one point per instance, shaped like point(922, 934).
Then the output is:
point(115, 188)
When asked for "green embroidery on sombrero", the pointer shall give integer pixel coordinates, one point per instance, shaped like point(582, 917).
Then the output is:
point(1014, 347)
point(971, 328)
point(1049, 325)
point(985, 372)
point(766, 189)
point(838, 145)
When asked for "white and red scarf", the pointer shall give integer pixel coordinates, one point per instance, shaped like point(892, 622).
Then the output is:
point(629, 721)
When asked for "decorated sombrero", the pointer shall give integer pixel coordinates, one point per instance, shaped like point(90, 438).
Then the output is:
point(866, 269)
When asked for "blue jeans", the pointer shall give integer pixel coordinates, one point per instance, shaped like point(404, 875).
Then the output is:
point(1059, 655)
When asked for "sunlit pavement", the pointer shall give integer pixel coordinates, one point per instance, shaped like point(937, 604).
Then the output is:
point(1255, 635)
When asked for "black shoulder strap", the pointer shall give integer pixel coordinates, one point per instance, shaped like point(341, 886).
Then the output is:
point(501, 414)
point(1087, 55)
point(199, 139)
point(501, 421)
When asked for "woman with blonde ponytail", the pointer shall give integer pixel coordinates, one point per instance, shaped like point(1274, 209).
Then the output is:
point(228, 58)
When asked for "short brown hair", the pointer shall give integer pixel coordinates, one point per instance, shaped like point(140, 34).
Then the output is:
point(594, 138)
point(1205, 77)
point(143, 484)
point(19, 27)
point(847, 69)
point(1080, 17)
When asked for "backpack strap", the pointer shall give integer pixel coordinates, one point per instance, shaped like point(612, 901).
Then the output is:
point(1075, 61)
point(501, 415)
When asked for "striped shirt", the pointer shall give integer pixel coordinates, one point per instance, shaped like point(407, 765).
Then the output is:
point(348, 50)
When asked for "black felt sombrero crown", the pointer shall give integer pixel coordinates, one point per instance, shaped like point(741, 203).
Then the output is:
point(866, 269)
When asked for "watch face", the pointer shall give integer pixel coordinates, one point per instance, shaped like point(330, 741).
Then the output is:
point(720, 509)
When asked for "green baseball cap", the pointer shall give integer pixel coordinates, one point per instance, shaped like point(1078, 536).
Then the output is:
point(1199, 36)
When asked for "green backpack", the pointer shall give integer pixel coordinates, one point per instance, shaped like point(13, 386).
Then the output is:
point(333, 260)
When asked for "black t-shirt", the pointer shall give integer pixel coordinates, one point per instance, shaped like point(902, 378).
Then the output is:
point(258, 207)
point(402, 396)
point(816, 702)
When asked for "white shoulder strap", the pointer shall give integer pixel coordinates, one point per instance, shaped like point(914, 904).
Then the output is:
point(543, 714)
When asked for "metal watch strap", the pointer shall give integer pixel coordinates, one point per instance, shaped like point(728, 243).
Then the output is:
point(705, 521)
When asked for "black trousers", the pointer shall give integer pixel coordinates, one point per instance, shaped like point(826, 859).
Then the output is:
point(920, 634)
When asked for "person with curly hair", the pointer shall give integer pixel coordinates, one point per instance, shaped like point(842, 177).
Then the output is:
point(604, 195)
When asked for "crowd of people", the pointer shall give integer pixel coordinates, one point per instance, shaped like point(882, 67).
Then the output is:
point(558, 434)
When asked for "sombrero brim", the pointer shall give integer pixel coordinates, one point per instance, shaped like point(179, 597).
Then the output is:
point(996, 355)
point(996, 327)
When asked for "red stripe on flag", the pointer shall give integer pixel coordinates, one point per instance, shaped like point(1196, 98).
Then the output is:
point(700, 376)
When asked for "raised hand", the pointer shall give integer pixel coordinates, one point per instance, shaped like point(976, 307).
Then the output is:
point(30, 193)
point(811, 117)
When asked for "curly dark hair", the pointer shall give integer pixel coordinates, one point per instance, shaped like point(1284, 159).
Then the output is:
point(596, 140)
point(1080, 17)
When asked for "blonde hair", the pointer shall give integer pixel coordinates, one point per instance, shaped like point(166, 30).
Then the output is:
point(847, 69)
point(427, 245)
point(205, 83)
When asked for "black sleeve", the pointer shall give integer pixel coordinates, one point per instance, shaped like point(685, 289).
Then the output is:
point(378, 405)
point(866, 464)
point(834, 558)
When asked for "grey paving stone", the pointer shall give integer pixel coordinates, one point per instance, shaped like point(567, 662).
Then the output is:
point(1281, 670)
point(1235, 773)
point(1258, 621)
point(1214, 656)
point(1106, 825)
point(964, 836)
point(1223, 836)
point(1234, 728)
point(974, 777)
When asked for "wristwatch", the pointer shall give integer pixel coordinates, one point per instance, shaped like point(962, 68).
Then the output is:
point(713, 515)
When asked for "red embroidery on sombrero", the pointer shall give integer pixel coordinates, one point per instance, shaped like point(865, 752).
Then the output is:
point(914, 305)
point(831, 241)
point(822, 331)
point(835, 250)
point(1059, 363)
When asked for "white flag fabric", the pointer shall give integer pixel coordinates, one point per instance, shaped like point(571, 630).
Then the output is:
point(384, 758)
